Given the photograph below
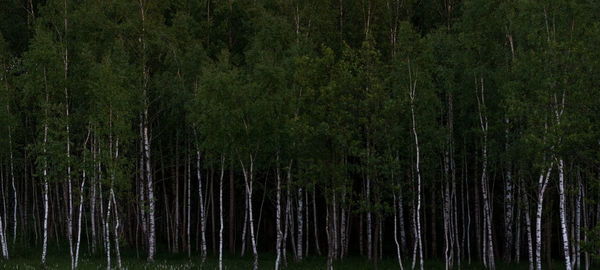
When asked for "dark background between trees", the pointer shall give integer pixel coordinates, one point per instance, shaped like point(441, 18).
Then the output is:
point(328, 116)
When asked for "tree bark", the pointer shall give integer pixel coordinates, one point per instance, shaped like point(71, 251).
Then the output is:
point(542, 183)
point(202, 209)
point(396, 235)
point(231, 210)
point(487, 214)
point(563, 214)
point(315, 221)
point(508, 202)
point(45, 174)
point(300, 223)
point(189, 206)
point(278, 216)
point(248, 179)
point(418, 242)
point(220, 214)
point(83, 176)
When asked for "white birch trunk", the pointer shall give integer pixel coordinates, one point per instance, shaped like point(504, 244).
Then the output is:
point(45, 175)
point(563, 214)
point(329, 241)
point(508, 203)
point(315, 221)
point(307, 222)
point(542, 184)
point(343, 225)
point(149, 183)
point(189, 205)
point(418, 242)
point(446, 210)
point(300, 223)
point(488, 246)
point(245, 225)
point(396, 236)
point(114, 200)
point(288, 207)
point(69, 188)
point(12, 179)
point(101, 203)
point(518, 224)
point(3, 242)
point(93, 200)
point(369, 225)
point(528, 228)
point(79, 220)
point(202, 209)
point(278, 216)
point(150, 188)
point(117, 225)
point(80, 212)
point(248, 179)
point(577, 256)
point(220, 215)
point(334, 232)
point(142, 202)
point(368, 199)
point(107, 234)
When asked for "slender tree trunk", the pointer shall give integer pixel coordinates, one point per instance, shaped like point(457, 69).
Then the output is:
point(334, 227)
point(142, 201)
point(288, 207)
point(330, 248)
point(518, 223)
point(245, 225)
point(418, 242)
point(145, 127)
point(117, 222)
point(189, 206)
point(3, 220)
point(446, 209)
point(528, 228)
point(12, 179)
point(542, 183)
point(563, 214)
point(300, 223)
point(401, 223)
point(467, 213)
point(220, 214)
point(248, 179)
point(231, 210)
point(307, 215)
point(93, 197)
point(107, 234)
point(278, 216)
point(369, 225)
point(117, 225)
point(212, 209)
point(577, 244)
point(396, 235)
point(315, 221)
point(585, 221)
point(487, 212)
point(343, 224)
point(202, 209)
point(80, 212)
point(508, 203)
point(45, 175)
point(3, 242)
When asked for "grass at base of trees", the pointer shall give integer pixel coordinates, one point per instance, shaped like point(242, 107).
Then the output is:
point(29, 258)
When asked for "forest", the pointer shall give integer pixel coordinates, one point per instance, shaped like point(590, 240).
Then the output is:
point(347, 134)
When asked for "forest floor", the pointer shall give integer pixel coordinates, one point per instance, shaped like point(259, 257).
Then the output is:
point(28, 258)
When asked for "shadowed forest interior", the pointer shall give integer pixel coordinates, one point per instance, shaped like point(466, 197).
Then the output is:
point(398, 132)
